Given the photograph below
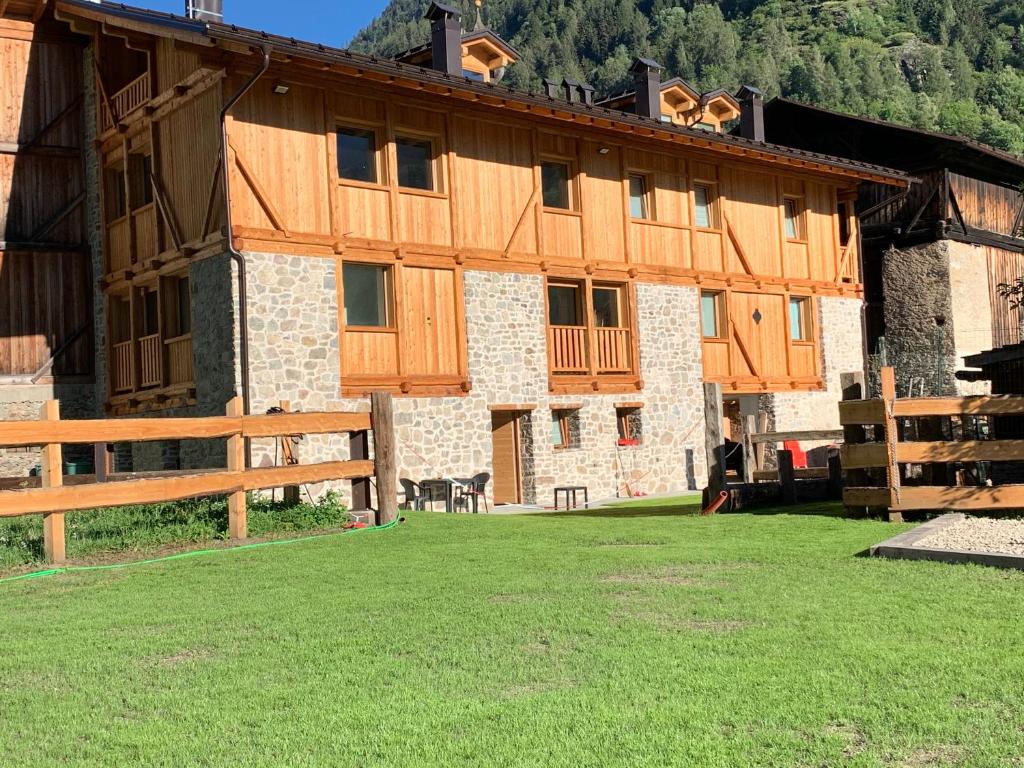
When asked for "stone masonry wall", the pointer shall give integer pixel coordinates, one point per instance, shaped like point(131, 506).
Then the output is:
point(842, 348)
point(972, 308)
point(294, 354)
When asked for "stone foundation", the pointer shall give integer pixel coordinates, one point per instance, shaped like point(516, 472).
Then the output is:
point(24, 402)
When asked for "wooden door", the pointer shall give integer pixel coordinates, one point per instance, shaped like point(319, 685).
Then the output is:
point(428, 306)
point(507, 480)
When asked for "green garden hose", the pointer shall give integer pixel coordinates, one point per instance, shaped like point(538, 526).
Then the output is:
point(193, 553)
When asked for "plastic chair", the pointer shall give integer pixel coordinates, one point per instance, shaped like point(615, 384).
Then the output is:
point(413, 495)
point(474, 489)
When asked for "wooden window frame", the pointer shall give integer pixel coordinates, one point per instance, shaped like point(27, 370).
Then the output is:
point(380, 145)
point(572, 184)
point(438, 152)
point(714, 208)
point(623, 413)
point(799, 219)
point(807, 323)
point(592, 381)
point(721, 316)
point(390, 292)
point(648, 199)
point(562, 416)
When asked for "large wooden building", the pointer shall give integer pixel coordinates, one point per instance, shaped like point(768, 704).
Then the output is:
point(936, 253)
point(545, 281)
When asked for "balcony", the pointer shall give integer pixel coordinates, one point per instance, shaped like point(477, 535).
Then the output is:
point(121, 368)
point(119, 247)
point(570, 350)
point(126, 101)
point(150, 361)
point(179, 360)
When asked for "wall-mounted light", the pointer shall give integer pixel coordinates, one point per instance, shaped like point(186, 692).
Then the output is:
point(281, 89)
point(603, 150)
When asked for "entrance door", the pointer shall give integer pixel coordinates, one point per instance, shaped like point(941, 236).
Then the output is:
point(508, 484)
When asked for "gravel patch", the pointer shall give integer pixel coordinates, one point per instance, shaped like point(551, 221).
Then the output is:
point(979, 534)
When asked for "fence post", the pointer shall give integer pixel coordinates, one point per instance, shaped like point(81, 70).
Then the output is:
point(290, 456)
point(853, 388)
point(713, 441)
point(890, 435)
point(385, 464)
point(787, 477)
point(54, 544)
point(238, 521)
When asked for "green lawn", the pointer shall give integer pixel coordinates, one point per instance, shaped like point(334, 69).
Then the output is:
point(584, 639)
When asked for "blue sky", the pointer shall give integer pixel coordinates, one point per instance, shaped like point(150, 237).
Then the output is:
point(332, 22)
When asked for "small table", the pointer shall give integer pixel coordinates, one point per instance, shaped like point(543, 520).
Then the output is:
point(571, 489)
point(447, 484)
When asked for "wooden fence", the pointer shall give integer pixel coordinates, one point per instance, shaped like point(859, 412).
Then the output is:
point(884, 455)
point(53, 499)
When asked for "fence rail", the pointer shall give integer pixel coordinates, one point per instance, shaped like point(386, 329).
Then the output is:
point(568, 349)
point(52, 500)
point(889, 452)
point(613, 350)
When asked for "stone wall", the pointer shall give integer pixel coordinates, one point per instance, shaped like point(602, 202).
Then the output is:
point(842, 351)
point(972, 308)
point(294, 355)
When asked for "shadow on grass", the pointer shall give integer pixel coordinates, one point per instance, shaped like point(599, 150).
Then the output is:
point(813, 508)
point(667, 510)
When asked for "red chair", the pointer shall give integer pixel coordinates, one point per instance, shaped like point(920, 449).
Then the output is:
point(799, 455)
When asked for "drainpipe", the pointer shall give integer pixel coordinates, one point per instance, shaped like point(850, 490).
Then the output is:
point(236, 256)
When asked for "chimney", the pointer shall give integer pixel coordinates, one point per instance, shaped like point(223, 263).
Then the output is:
point(647, 80)
point(572, 91)
point(751, 113)
point(445, 38)
point(552, 88)
point(588, 94)
point(205, 10)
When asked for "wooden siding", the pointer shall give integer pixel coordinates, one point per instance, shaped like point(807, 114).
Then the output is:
point(985, 206)
point(1003, 267)
point(45, 298)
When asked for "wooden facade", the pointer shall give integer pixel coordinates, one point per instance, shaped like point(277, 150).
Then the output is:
point(458, 177)
point(45, 275)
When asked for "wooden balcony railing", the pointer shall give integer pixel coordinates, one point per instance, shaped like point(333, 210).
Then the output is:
point(121, 367)
point(568, 345)
point(613, 350)
point(145, 232)
point(119, 245)
point(179, 360)
point(127, 100)
point(151, 363)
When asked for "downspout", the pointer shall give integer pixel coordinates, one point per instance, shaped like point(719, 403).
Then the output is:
point(236, 256)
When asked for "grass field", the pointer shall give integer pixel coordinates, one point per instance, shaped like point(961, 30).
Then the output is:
point(610, 638)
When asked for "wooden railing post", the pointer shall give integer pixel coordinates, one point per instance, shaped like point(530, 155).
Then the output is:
point(290, 456)
point(238, 521)
point(787, 477)
point(54, 544)
point(749, 457)
point(385, 464)
point(713, 441)
point(891, 437)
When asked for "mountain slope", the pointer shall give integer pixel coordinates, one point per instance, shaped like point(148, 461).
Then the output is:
point(951, 65)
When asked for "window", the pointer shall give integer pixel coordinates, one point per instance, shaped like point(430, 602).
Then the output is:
point(367, 295)
point(565, 428)
point(564, 305)
point(666, 118)
point(149, 312)
point(471, 75)
point(120, 319)
point(712, 315)
point(704, 206)
point(415, 163)
point(555, 182)
point(794, 230)
point(177, 307)
point(844, 224)
point(703, 126)
point(629, 425)
point(140, 180)
point(639, 207)
point(606, 307)
point(799, 319)
point(114, 199)
point(357, 155)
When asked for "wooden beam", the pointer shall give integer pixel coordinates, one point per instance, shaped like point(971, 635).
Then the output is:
point(961, 498)
point(262, 197)
point(385, 459)
point(738, 246)
point(28, 433)
point(859, 412)
point(99, 495)
point(530, 206)
point(808, 435)
point(47, 226)
point(714, 440)
point(37, 14)
point(984, 405)
point(64, 345)
point(869, 498)
point(743, 349)
point(37, 139)
point(863, 456)
point(890, 435)
point(166, 211)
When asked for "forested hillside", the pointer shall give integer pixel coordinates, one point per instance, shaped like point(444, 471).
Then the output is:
point(951, 65)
